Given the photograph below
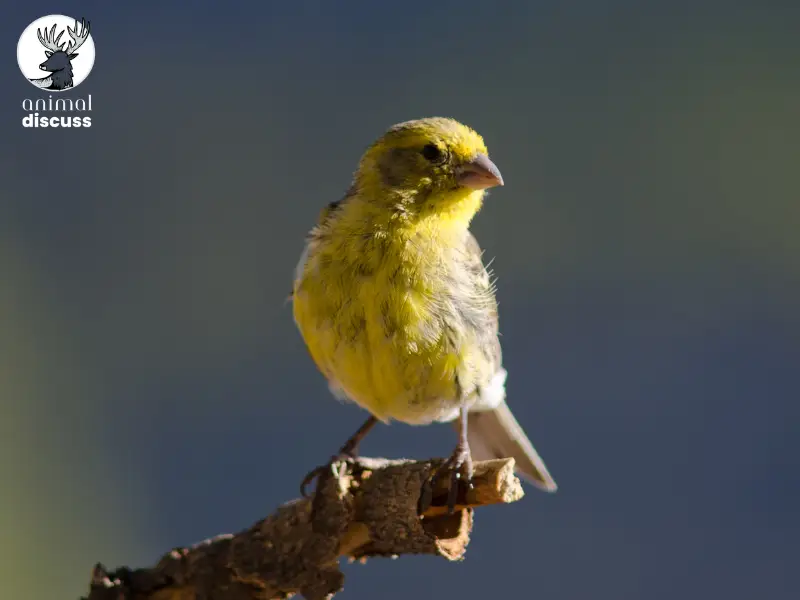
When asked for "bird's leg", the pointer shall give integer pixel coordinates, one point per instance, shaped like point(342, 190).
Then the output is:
point(349, 450)
point(459, 467)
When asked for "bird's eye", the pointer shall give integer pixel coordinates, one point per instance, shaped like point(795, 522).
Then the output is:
point(432, 153)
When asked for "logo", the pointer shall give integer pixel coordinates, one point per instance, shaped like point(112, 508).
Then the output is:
point(56, 53)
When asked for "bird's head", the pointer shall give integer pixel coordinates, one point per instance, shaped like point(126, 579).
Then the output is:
point(428, 166)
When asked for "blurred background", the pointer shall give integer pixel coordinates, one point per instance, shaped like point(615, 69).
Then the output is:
point(154, 390)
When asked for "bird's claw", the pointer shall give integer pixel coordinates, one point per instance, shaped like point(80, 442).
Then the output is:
point(347, 452)
point(317, 472)
point(460, 470)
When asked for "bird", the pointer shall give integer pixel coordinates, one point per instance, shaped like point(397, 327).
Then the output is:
point(395, 304)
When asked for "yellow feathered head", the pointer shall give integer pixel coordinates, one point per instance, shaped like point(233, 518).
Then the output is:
point(436, 160)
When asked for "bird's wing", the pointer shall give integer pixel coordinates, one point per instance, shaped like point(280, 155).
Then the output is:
point(496, 433)
point(484, 314)
point(324, 218)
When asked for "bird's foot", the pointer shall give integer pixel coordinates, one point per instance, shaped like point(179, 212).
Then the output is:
point(347, 452)
point(459, 469)
point(315, 474)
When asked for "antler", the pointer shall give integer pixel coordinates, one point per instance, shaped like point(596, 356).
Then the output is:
point(77, 38)
point(49, 40)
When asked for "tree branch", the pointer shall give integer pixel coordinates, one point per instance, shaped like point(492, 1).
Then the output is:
point(363, 508)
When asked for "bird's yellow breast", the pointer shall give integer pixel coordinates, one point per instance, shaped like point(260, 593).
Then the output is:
point(375, 312)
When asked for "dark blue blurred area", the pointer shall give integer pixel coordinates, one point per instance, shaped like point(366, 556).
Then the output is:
point(156, 392)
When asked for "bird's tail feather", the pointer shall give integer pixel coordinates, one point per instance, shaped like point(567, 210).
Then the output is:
point(497, 434)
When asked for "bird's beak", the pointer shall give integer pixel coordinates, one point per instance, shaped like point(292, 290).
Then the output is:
point(479, 174)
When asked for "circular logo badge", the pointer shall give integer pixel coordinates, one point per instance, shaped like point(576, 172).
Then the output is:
point(56, 53)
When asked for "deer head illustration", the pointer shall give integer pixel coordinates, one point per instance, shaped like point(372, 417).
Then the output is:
point(59, 59)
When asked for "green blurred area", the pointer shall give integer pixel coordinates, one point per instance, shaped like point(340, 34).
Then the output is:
point(62, 498)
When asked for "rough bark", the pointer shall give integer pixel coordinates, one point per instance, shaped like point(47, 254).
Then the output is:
point(362, 508)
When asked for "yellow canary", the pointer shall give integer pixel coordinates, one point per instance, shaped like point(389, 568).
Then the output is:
point(395, 304)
